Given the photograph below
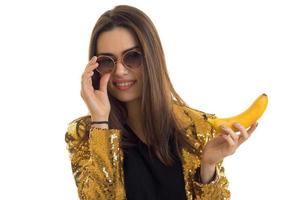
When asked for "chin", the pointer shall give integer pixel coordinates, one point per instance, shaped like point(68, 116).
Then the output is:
point(126, 99)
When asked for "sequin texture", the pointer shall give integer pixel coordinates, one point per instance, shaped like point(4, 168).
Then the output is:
point(97, 159)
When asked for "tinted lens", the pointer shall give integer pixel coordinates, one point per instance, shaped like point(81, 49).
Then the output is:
point(106, 64)
point(133, 59)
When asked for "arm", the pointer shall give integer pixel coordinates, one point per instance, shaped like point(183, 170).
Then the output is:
point(95, 159)
point(209, 181)
point(216, 147)
point(216, 188)
point(207, 172)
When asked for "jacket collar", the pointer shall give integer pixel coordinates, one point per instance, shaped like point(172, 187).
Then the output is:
point(182, 116)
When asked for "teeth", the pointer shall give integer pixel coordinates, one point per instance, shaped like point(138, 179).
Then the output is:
point(124, 84)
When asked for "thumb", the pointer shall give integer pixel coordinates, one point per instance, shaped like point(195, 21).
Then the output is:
point(103, 82)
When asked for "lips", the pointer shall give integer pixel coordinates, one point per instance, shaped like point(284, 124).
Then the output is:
point(122, 80)
point(124, 85)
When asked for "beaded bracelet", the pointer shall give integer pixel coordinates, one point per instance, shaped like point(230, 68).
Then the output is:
point(99, 122)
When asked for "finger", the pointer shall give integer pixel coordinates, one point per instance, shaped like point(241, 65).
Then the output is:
point(230, 132)
point(87, 76)
point(252, 128)
point(229, 140)
point(244, 134)
point(91, 62)
point(103, 82)
point(91, 67)
point(86, 81)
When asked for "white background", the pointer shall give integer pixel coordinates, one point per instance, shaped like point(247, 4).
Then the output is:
point(221, 55)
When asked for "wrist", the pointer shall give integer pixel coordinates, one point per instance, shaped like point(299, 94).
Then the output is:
point(207, 172)
point(103, 126)
point(103, 122)
point(208, 160)
point(208, 165)
point(98, 118)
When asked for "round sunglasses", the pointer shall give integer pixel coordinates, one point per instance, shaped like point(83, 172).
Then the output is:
point(130, 59)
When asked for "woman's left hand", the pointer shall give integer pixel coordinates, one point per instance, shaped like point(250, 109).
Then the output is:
point(225, 143)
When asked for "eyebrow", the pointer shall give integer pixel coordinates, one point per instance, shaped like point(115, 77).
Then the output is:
point(110, 54)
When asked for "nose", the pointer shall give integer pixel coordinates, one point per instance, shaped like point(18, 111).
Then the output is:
point(120, 69)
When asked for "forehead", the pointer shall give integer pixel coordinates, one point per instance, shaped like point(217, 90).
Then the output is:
point(115, 41)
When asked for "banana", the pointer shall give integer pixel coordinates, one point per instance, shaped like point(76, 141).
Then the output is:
point(246, 118)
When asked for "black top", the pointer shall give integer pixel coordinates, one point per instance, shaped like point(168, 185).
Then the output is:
point(147, 178)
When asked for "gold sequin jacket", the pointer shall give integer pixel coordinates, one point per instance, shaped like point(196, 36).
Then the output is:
point(97, 159)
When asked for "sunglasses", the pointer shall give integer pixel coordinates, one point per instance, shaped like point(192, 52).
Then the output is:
point(130, 59)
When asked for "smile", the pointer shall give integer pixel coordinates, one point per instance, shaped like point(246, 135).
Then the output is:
point(124, 85)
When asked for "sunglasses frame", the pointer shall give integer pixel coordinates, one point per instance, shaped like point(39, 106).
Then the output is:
point(120, 59)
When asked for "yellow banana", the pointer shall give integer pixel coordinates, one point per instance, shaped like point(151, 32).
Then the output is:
point(246, 118)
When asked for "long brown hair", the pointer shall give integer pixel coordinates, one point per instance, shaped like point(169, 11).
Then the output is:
point(160, 125)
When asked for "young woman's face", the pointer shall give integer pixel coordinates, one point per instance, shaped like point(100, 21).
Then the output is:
point(125, 83)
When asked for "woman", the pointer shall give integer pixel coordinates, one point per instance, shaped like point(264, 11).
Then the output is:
point(141, 140)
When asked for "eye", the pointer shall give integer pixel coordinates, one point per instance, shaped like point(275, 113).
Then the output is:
point(106, 64)
point(133, 59)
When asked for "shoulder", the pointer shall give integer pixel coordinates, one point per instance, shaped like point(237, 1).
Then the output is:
point(195, 123)
point(189, 116)
point(198, 113)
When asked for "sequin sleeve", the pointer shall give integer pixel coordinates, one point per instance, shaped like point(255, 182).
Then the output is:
point(96, 161)
point(218, 188)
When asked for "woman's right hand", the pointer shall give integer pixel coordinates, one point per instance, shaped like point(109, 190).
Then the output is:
point(97, 101)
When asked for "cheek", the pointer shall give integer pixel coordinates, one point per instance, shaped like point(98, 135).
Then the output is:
point(139, 75)
point(140, 88)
